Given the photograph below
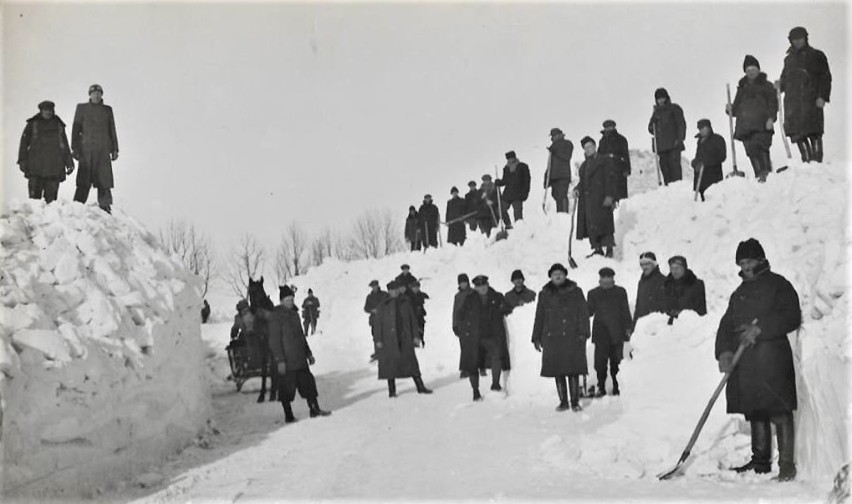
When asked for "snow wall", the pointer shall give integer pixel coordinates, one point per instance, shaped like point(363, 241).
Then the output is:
point(799, 217)
point(101, 367)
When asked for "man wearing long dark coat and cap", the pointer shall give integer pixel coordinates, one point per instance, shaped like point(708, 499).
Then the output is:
point(614, 146)
point(44, 155)
point(596, 190)
point(95, 144)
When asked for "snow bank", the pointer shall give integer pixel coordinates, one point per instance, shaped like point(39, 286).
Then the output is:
point(101, 369)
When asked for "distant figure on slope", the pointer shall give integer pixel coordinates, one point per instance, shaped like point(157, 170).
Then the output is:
point(483, 334)
point(596, 189)
point(413, 235)
point(756, 109)
point(418, 302)
point(471, 200)
point(614, 146)
point(405, 279)
point(516, 180)
point(205, 312)
point(806, 84)
point(95, 144)
point(395, 336)
point(44, 155)
point(430, 220)
point(710, 152)
point(761, 312)
point(310, 312)
point(611, 328)
point(670, 126)
point(558, 177)
point(293, 357)
point(560, 332)
point(456, 209)
point(371, 305)
point(486, 216)
point(684, 291)
point(520, 294)
point(651, 292)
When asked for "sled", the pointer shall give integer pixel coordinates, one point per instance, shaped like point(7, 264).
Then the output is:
point(243, 365)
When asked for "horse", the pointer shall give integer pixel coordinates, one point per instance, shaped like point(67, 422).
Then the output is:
point(260, 305)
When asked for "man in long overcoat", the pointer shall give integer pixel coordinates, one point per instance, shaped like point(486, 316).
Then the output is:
point(471, 200)
point(371, 305)
point(597, 190)
point(456, 209)
point(413, 234)
point(395, 336)
point(756, 109)
point(650, 292)
point(710, 152)
point(806, 84)
point(558, 178)
point(94, 143)
point(614, 145)
point(516, 184)
point(44, 155)
point(761, 312)
point(560, 332)
point(670, 127)
point(611, 328)
point(430, 220)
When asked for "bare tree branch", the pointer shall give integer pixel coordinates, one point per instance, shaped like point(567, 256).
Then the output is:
point(246, 261)
point(195, 250)
point(290, 255)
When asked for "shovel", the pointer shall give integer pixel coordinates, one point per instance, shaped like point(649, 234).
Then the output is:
point(736, 172)
point(571, 262)
point(502, 234)
point(546, 184)
point(781, 123)
point(698, 184)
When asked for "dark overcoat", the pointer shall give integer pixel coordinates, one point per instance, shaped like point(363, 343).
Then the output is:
point(516, 182)
point(685, 293)
point(483, 321)
point(765, 380)
point(711, 152)
point(412, 228)
point(650, 295)
point(561, 328)
point(614, 145)
point(44, 150)
point(805, 78)
point(755, 102)
point(597, 181)
point(671, 126)
point(612, 314)
point(515, 298)
point(93, 140)
point(456, 207)
point(561, 151)
point(395, 327)
point(430, 219)
point(374, 299)
point(287, 339)
point(310, 308)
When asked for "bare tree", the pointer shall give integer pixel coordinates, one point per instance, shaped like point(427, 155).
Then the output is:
point(392, 232)
point(290, 256)
point(194, 249)
point(375, 234)
point(322, 247)
point(246, 261)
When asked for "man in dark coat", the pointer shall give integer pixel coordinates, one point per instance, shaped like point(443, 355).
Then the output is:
point(418, 302)
point(430, 219)
point(710, 152)
point(483, 331)
point(684, 291)
point(762, 310)
point(516, 180)
point(670, 126)
point(560, 332)
point(611, 328)
point(558, 176)
point(205, 312)
point(650, 293)
point(456, 209)
point(310, 312)
point(614, 145)
point(371, 305)
point(806, 84)
point(94, 144)
point(520, 294)
point(597, 190)
point(756, 109)
point(471, 200)
point(405, 279)
point(293, 357)
point(44, 155)
point(486, 217)
point(395, 336)
point(458, 300)
point(413, 234)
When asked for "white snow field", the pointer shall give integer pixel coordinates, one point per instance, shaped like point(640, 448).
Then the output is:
point(101, 360)
point(514, 446)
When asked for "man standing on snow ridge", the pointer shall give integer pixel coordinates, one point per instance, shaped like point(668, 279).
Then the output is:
point(611, 328)
point(516, 180)
point(471, 200)
point(614, 145)
point(310, 312)
point(430, 219)
point(761, 312)
point(456, 209)
point(650, 293)
point(710, 152)
point(371, 305)
point(44, 155)
point(756, 108)
point(670, 127)
point(558, 178)
point(596, 190)
point(806, 84)
point(94, 144)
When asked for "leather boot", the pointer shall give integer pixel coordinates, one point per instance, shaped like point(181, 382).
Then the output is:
point(756, 165)
point(574, 392)
point(809, 146)
point(817, 149)
point(316, 411)
point(495, 379)
point(615, 390)
point(804, 151)
point(421, 388)
point(474, 384)
point(761, 449)
point(288, 412)
point(608, 251)
point(562, 392)
point(786, 436)
point(391, 388)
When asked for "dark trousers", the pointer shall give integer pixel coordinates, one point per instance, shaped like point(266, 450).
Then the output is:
point(312, 323)
point(485, 225)
point(597, 242)
point(431, 238)
point(559, 191)
point(45, 187)
point(104, 196)
point(517, 209)
point(301, 380)
point(415, 245)
point(607, 353)
point(472, 223)
point(670, 166)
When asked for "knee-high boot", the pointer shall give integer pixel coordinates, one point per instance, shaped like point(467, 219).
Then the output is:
point(804, 150)
point(496, 371)
point(288, 412)
point(421, 388)
point(761, 448)
point(786, 436)
point(756, 165)
point(574, 392)
point(562, 391)
point(816, 144)
point(391, 388)
point(474, 384)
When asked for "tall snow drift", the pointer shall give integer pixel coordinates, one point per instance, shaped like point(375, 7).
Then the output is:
point(101, 369)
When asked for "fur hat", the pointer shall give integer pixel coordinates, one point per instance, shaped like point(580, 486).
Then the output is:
point(463, 278)
point(454, 190)
point(511, 155)
point(750, 61)
point(678, 260)
point(480, 280)
point(750, 249)
point(47, 105)
point(648, 255)
point(606, 272)
point(661, 93)
point(557, 267)
point(285, 291)
point(518, 275)
point(797, 33)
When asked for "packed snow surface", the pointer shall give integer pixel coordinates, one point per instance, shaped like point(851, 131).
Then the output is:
point(101, 360)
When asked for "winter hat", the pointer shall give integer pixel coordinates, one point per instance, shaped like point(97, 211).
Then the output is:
point(96, 87)
point(750, 249)
point(427, 197)
point(285, 291)
point(557, 267)
point(797, 33)
point(661, 93)
point(242, 304)
point(518, 275)
point(609, 123)
point(374, 283)
point(405, 267)
point(606, 272)
point(648, 256)
point(486, 178)
point(480, 280)
point(704, 122)
point(46, 105)
point(555, 131)
point(750, 61)
point(412, 207)
point(471, 184)
point(310, 291)
point(463, 278)
point(511, 155)
point(585, 140)
point(454, 190)
point(393, 284)
point(678, 260)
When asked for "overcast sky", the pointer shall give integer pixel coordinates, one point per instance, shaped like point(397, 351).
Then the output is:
point(240, 118)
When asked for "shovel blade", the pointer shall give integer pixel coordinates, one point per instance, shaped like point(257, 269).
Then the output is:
point(669, 474)
point(572, 263)
point(502, 235)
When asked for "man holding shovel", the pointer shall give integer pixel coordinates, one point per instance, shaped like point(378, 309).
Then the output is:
point(558, 174)
point(762, 310)
point(596, 191)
